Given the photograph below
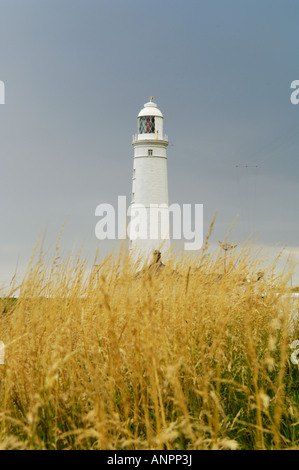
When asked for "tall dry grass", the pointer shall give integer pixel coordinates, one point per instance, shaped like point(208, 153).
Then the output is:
point(182, 358)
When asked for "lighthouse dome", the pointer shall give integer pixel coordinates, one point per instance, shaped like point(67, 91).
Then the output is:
point(150, 109)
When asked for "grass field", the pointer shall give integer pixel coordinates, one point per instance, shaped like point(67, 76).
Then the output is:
point(183, 358)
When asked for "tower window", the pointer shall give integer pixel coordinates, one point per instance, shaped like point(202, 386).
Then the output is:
point(150, 152)
point(147, 125)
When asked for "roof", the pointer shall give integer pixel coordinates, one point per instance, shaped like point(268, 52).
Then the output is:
point(150, 109)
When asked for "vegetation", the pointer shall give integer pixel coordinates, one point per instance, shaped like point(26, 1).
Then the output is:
point(184, 357)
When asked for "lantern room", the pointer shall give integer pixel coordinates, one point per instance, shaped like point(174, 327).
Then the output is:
point(150, 122)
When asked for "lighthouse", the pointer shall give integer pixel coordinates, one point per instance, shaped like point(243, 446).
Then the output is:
point(149, 210)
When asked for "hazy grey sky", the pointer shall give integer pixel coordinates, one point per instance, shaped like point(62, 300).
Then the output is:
point(78, 72)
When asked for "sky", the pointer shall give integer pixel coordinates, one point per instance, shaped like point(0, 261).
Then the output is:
point(76, 75)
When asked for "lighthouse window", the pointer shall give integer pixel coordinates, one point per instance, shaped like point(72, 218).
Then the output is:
point(150, 152)
point(147, 125)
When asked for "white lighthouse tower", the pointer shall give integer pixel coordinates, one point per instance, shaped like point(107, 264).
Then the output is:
point(149, 205)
